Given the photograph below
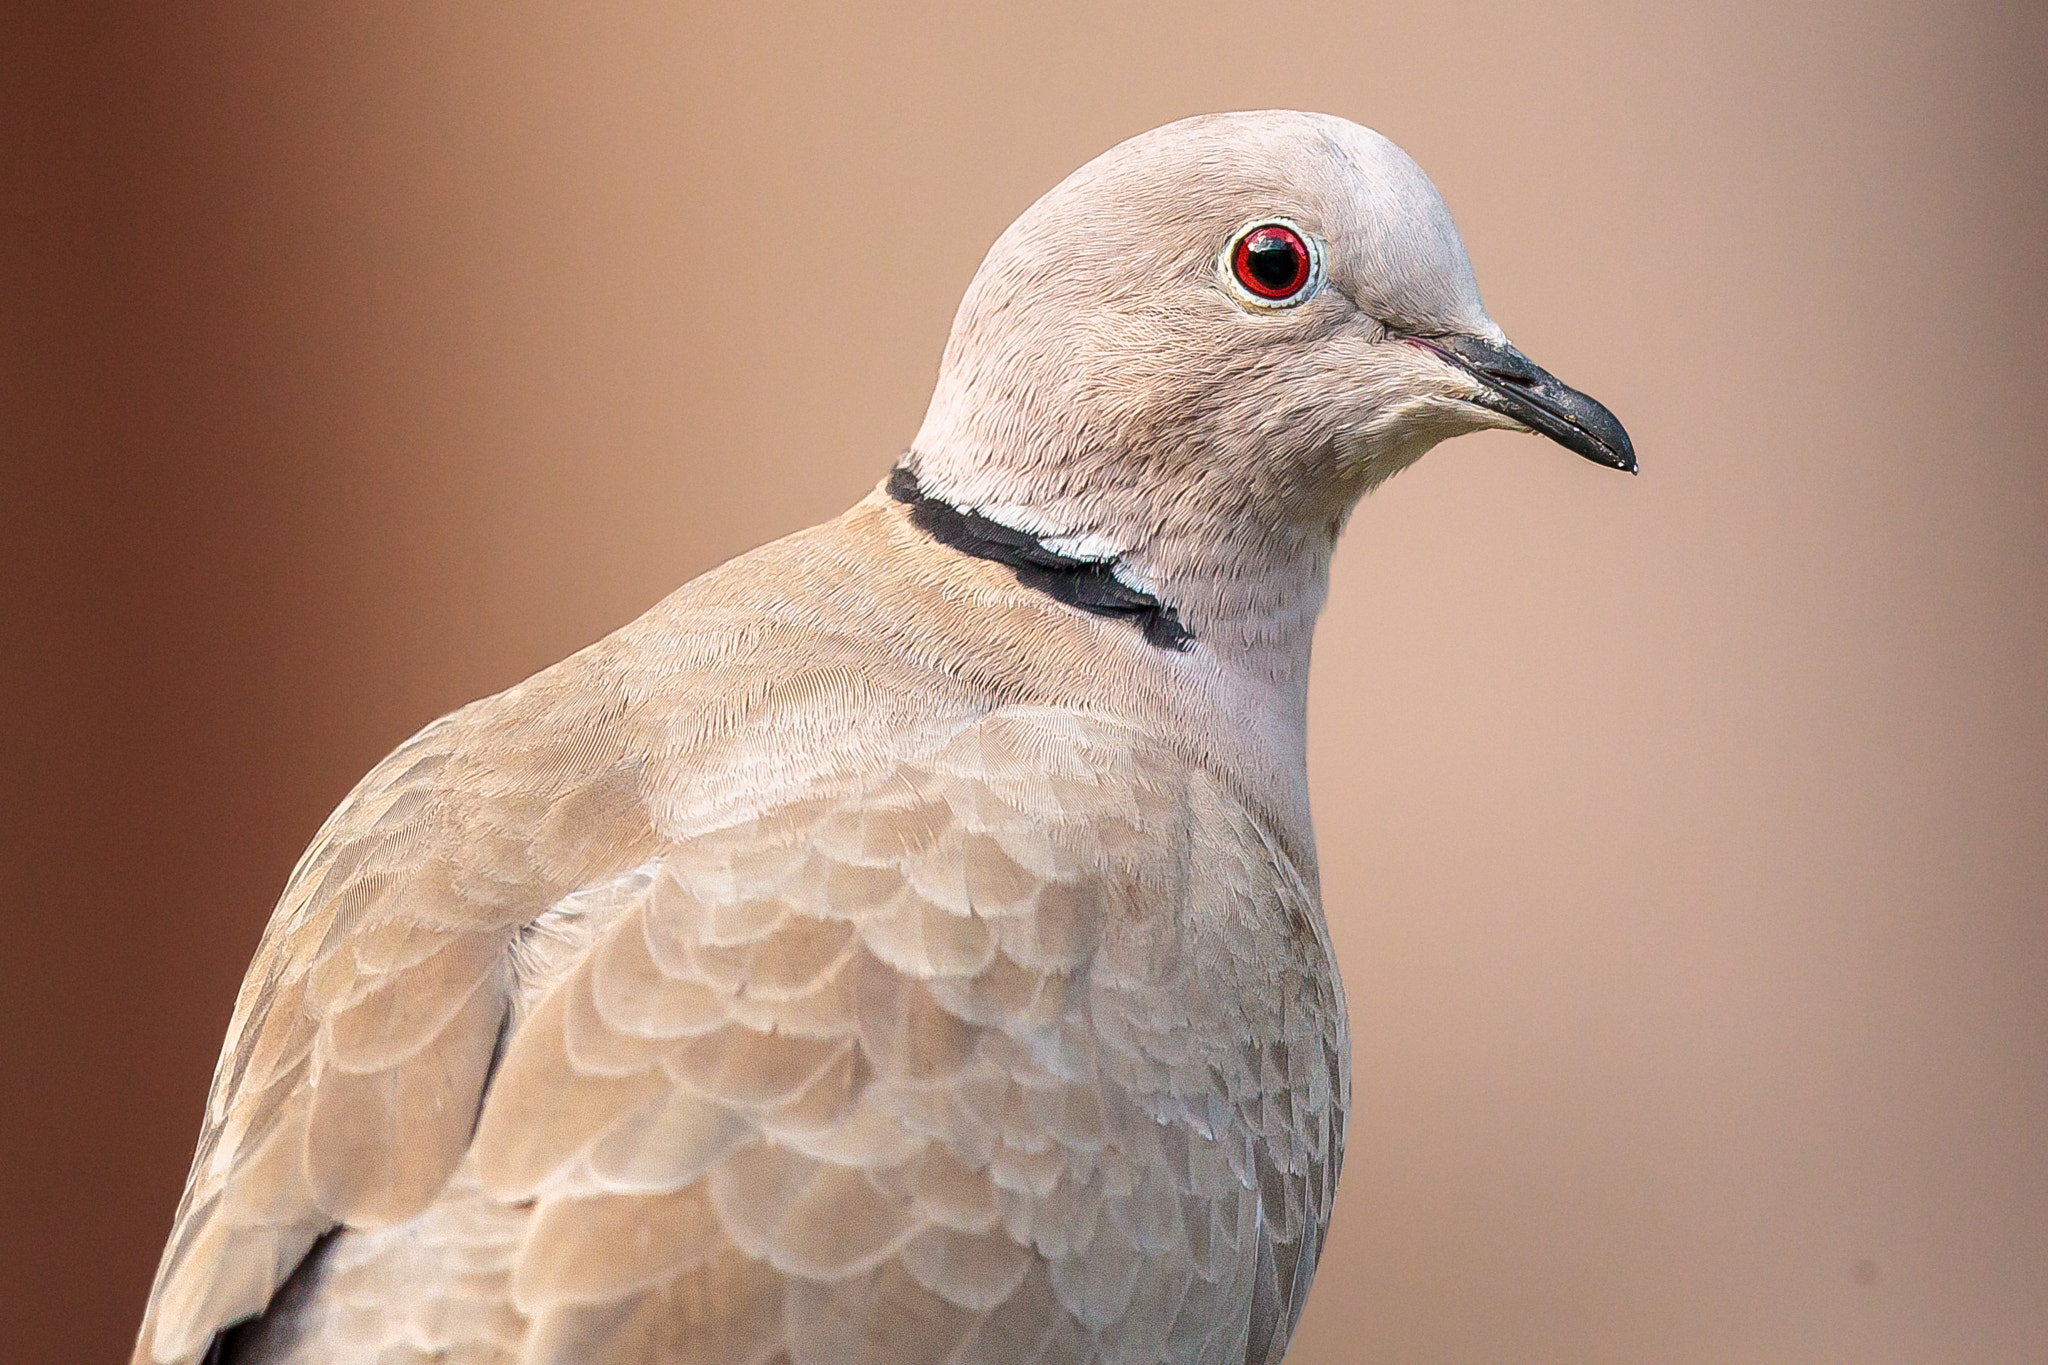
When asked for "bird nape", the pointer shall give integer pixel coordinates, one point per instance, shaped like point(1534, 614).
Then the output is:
point(902, 944)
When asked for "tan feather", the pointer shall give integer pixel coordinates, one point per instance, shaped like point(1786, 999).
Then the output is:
point(380, 1143)
point(600, 1248)
point(543, 1109)
point(668, 1142)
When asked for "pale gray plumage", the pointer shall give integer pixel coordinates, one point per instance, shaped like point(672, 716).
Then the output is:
point(865, 955)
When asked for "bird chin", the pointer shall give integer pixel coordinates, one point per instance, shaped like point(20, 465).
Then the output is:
point(1370, 455)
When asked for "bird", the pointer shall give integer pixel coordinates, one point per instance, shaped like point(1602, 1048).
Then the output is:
point(903, 943)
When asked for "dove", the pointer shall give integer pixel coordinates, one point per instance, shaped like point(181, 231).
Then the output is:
point(903, 943)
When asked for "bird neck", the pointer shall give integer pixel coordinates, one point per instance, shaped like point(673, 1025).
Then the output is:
point(1209, 573)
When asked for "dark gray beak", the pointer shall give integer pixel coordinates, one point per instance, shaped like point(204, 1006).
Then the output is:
point(1511, 383)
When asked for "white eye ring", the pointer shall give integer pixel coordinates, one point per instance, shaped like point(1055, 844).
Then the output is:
point(1234, 267)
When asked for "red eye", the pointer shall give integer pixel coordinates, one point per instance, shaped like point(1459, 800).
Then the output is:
point(1271, 261)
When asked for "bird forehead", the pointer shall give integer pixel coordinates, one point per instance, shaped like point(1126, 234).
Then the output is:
point(1393, 241)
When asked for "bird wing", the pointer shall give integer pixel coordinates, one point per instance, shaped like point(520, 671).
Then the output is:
point(365, 1029)
point(1024, 1047)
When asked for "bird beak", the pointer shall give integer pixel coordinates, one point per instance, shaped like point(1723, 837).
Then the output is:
point(1516, 386)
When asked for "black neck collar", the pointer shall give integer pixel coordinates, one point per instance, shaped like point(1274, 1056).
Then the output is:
point(1089, 584)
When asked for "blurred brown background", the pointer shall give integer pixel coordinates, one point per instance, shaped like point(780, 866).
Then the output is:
point(1686, 837)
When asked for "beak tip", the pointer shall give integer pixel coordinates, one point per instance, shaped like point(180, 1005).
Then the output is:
point(1608, 447)
point(1628, 463)
point(1597, 433)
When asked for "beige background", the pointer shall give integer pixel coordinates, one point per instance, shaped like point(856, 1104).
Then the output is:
point(1686, 837)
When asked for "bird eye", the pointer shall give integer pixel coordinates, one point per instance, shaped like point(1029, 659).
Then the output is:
point(1274, 263)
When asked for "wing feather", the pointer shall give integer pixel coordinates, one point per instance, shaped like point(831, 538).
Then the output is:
point(364, 1033)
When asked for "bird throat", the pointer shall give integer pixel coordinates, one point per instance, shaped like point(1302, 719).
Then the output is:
point(1090, 585)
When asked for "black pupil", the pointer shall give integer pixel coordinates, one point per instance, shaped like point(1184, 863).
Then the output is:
point(1273, 260)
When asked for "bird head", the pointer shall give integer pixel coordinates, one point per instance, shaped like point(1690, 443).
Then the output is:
point(1272, 310)
point(1188, 361)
